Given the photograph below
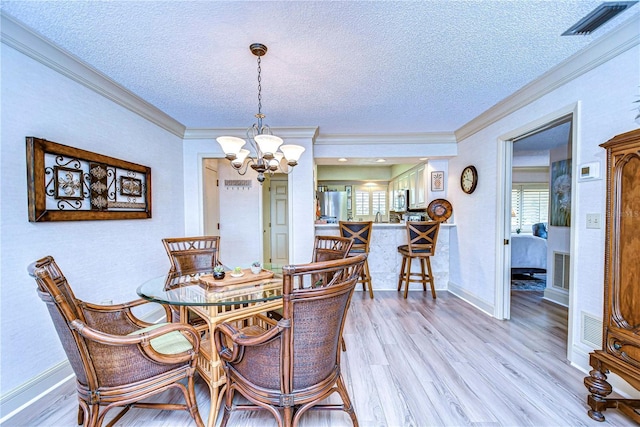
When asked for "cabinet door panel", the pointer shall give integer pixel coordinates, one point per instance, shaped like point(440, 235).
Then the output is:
point(628, 277)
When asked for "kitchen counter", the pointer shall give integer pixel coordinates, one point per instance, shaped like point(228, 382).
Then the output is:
point(385, 261)
point(384, 224)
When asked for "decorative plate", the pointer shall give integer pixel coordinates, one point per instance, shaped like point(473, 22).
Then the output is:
point(439, 210)
point(237, 274)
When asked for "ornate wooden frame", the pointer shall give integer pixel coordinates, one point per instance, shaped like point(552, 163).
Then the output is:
point(70, 184)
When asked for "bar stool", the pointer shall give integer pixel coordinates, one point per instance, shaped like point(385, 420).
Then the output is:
point(421, 238)
point(360, 232)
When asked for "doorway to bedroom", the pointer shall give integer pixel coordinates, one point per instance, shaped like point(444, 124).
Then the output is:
point(540, 221)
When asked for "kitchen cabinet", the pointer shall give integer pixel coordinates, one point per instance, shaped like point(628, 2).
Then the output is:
point(412, 188)
point(413, 180)
point(421, 193)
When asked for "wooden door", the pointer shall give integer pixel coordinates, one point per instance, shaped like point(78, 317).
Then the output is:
point(279, 208)
point(210, 197)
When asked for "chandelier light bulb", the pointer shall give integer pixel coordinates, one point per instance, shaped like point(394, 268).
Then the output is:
point(292, 153)
point(230, 145)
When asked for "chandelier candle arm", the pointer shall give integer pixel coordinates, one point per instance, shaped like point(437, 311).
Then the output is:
point(263, 142)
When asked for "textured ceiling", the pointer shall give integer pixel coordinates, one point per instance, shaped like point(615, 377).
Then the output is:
point(347, 67)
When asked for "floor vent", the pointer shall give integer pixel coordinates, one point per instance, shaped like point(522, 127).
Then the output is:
point(598, 17)
point(561, 270)
point(591, 328)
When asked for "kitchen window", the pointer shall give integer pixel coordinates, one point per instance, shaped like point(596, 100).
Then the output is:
point(369, 200)
point(529, 205)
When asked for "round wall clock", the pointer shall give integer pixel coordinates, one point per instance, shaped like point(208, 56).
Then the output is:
point(469, 179)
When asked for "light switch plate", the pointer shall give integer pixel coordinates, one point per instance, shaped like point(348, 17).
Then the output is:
point(593, 220)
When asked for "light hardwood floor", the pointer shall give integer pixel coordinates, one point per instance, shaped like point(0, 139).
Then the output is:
point(420, 362)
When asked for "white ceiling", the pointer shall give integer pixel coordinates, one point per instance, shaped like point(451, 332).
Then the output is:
point(347, 67)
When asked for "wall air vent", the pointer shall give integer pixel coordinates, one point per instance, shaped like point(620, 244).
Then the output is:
point(599, 16)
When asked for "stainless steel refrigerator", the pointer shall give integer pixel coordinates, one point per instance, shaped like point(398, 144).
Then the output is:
point(333, 205)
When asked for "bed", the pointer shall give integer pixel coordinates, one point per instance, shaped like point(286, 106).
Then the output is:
point(528, 254)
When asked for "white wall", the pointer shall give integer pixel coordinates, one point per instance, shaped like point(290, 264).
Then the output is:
point(606, 96)
point(102, 259)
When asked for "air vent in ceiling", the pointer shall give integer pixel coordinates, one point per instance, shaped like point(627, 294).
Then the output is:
point(599, 16)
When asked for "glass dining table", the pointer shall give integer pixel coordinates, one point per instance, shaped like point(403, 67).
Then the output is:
point(242, 299)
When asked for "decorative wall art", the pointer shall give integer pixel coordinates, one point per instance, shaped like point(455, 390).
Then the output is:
point(560, 209)
point(69, 184)
point(348, 189)
point(437, 181)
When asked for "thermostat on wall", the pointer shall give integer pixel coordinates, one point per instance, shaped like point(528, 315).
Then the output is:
point(589, 171)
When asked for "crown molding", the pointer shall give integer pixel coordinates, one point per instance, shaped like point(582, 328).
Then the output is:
point(26, 41)
point(310, 132)
point(612, 44)
point(397, 138)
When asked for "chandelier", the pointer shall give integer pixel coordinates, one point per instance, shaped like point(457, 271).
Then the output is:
point(265, 145)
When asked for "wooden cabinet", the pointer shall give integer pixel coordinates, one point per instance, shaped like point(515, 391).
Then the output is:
point(412, 189)
point(621, 323)
point(421, 193)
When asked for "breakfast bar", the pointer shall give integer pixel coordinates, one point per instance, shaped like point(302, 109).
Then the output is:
point(384, 259)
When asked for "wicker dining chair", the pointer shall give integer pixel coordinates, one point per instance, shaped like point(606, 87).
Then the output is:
point(327, 248)
point(193, 253)
point(360, 232)
point(294, 366)
point(421, 244)
point(118, 359)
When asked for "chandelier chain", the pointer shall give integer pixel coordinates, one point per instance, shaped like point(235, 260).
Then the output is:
point(259, 115)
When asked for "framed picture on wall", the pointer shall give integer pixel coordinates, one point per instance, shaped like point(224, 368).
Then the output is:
point(347, 188)
point(437, 181)
point(560, 194)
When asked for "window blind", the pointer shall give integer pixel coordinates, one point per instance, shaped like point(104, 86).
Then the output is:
point(529, 205)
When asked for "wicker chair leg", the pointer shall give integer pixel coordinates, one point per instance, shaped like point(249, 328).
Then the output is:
point(366, 276)
point(228, 402)
point(422, 275)
point(192, 404)
point(80, 415)
point(431, 280)
point(401, 276)
point(407, 277)
point(346, 402)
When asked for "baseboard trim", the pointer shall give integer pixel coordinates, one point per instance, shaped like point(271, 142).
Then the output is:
point(471, 299)
point(39, 387)
point(557, 296)
point(35, 389)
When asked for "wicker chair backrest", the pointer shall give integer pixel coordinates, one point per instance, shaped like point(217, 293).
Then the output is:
point(328, 248)
point(193, 253)
point(422, 237)
point(317, 314)
point(359, 231)
point(63, 308)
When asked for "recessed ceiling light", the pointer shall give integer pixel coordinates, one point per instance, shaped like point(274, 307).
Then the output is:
point(380, 160)
point(342, 159)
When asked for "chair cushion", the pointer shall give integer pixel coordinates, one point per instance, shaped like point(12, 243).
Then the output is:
point(171, 343)
point(356, 251)
point(404, 250)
